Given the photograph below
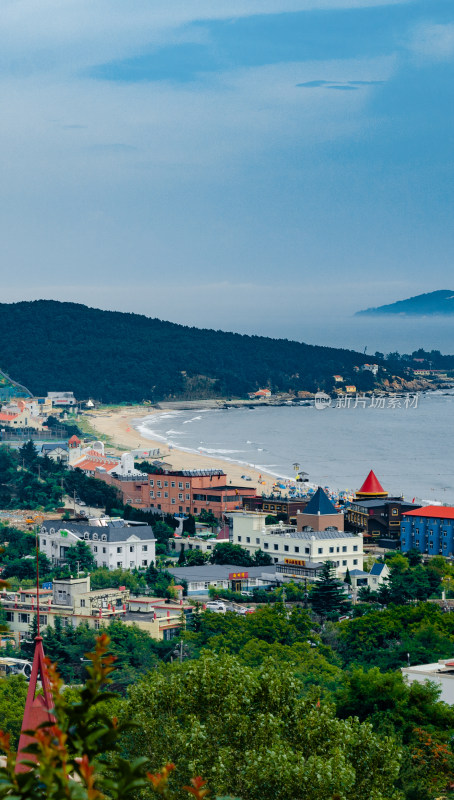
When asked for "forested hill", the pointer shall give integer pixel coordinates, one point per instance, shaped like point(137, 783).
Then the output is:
point(439, 302)
point(114, 356)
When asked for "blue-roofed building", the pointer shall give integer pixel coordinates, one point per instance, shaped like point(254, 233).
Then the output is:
point(320, 513)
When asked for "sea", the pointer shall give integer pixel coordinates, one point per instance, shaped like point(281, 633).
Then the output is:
point(408, 442)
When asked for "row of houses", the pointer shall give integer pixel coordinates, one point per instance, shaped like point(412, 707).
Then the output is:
point(73, 602)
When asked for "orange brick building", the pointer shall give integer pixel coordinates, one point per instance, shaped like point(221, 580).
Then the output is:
point(181, 491)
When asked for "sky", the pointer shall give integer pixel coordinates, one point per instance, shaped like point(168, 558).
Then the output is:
point(249, 166)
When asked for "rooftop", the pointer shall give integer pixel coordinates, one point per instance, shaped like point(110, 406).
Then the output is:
point(440, 512)
point(320, 504)
point(213, 572)
point(371, 485)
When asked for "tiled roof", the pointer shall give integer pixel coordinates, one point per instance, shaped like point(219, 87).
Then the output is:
point(440, 512)
point(88, 465)
point(5, 417)
point(377, 569)
point(320, 504)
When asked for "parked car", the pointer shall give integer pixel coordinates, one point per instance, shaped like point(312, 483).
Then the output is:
point(216, 607)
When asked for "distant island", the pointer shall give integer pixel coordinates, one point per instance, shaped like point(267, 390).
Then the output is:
point(432, 303)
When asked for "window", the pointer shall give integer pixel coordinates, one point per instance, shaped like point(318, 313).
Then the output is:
point(266, 545)
point(180, 484)
point(95, 549)
point(104, 549)
point(152, 482)
point(195, 510)
point(257, 541)
point(172, 483)
point(144, 547)
point(158, 483)
point(344, 549)
point(344, 563)
point(355, 548)
point(119, 564)
point(43, 619)
point(82, 603)
point(355, 561)
point(187, 498)
point(131, 548)
point(239, 538)
point(144, 562)
point(331, 549)
point(337, 549)
point(187, 485)
point(95, 536)
point(320, 550)
point(180, 495)
point(173, 501)
point(166, 494)
point(286, 548)
point(306, 550)
point(10, 616)
point(297, 549)
point(24, 618)
point(152, 494)
point(276, 547)
point(166, 483)
point(86, 535)
point(104, 537)
point(43, 541)
point(119, 549)
point(248, 539)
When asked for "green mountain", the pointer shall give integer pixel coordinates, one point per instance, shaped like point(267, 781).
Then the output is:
point(114, 357)
point(439, 302)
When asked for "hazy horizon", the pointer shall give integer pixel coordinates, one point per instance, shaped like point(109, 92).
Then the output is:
point(229, 165)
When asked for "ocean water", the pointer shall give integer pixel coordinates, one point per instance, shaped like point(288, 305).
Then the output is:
point(410, 447)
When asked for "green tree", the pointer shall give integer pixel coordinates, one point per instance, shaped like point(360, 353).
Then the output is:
point(13, 692)
point(80, 556)
point(262, 559)
point(347, 578)
point(228, 553)
point(327, 595)
point(195, 558)
point(189, 712)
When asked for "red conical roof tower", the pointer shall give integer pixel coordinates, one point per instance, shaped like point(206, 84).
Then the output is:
point(37, 707)
point(371, 488)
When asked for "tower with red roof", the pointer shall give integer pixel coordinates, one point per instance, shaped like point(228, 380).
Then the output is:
point(371, 488)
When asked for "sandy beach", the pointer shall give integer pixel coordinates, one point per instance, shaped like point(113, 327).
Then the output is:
point(118, 425)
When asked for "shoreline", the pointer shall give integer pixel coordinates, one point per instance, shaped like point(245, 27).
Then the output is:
point(120, 426)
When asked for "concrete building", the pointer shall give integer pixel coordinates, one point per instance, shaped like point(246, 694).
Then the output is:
point(440, 672)
point(275, 504)
point(283, 541)
point(115, 543)
point(62, 398)
point(225, 576)
point(56, 452)
point(71, 600)
point(429, 529)
point(379, 519)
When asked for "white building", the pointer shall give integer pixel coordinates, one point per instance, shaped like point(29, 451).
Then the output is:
point(62, 398)
point(441, 673)
point(283, 541)
point(115, 543)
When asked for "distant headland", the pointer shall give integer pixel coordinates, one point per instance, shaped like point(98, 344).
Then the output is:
point(430, 304)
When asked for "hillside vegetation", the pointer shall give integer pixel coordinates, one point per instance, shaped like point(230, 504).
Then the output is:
point(439, 302)
point(114, 356)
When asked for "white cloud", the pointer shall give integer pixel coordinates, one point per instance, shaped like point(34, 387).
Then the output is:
point(433, 41)
point(50, 35)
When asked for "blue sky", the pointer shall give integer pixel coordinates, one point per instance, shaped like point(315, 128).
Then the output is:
point(246, 166)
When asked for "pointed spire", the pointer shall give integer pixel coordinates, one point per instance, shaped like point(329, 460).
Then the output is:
point(371, 488)
point(37, 707)
point(320, 504)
